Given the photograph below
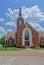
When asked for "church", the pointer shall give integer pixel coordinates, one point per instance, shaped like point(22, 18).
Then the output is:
point(25, 36)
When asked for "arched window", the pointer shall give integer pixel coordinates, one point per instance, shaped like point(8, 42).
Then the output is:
point(26, 35)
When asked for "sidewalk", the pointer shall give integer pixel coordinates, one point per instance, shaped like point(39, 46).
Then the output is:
point(25, 57)
point(24, 53)
point(7, 60)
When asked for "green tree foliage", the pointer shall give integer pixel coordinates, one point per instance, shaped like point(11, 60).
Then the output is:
point(2, 40)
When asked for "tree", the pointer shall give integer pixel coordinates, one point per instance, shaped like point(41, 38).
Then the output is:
point(2, 40)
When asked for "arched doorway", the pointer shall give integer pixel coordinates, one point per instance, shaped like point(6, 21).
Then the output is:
point(27, 37)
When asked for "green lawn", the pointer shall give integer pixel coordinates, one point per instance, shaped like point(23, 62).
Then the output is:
point(39, 48)
point(11, 49)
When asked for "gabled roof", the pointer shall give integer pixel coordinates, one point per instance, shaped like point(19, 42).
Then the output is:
point(10, 34)
point(26, 24)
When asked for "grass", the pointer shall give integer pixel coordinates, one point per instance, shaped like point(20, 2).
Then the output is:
point(11, 49)
point(39, 48)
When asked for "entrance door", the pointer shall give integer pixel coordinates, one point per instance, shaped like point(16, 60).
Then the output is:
point(27, 38)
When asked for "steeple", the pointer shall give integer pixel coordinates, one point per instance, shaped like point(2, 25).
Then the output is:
point(20, 12)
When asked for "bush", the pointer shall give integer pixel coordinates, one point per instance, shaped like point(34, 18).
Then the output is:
point(41, 45)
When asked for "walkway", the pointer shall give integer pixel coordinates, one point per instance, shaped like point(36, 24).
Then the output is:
point(25, 57)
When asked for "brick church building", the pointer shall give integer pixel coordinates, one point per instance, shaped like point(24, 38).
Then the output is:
point(25, 35)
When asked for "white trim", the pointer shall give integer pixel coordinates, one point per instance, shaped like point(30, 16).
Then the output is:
point(30, 36)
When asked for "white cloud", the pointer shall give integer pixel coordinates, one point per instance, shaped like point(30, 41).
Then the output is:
point(37, 26)
point(10, 24)
point(30, 14)
point(12, 14)
point(33, 14)
point(2, 32)
point(1, 20)
point(9, 30)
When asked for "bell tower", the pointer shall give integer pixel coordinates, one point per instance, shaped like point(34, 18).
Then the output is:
point(20, 20)
point(20, 26)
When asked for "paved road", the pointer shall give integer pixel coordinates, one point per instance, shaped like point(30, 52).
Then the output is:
point(7, 60)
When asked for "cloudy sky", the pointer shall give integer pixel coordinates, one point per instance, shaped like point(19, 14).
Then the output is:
point(32, 12)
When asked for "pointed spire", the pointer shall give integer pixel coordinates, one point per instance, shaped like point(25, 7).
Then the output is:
point(20, 12)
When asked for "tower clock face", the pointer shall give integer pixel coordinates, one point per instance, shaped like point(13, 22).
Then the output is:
point(20, 22)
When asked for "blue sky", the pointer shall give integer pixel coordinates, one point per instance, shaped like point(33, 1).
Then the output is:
point(8, 19)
